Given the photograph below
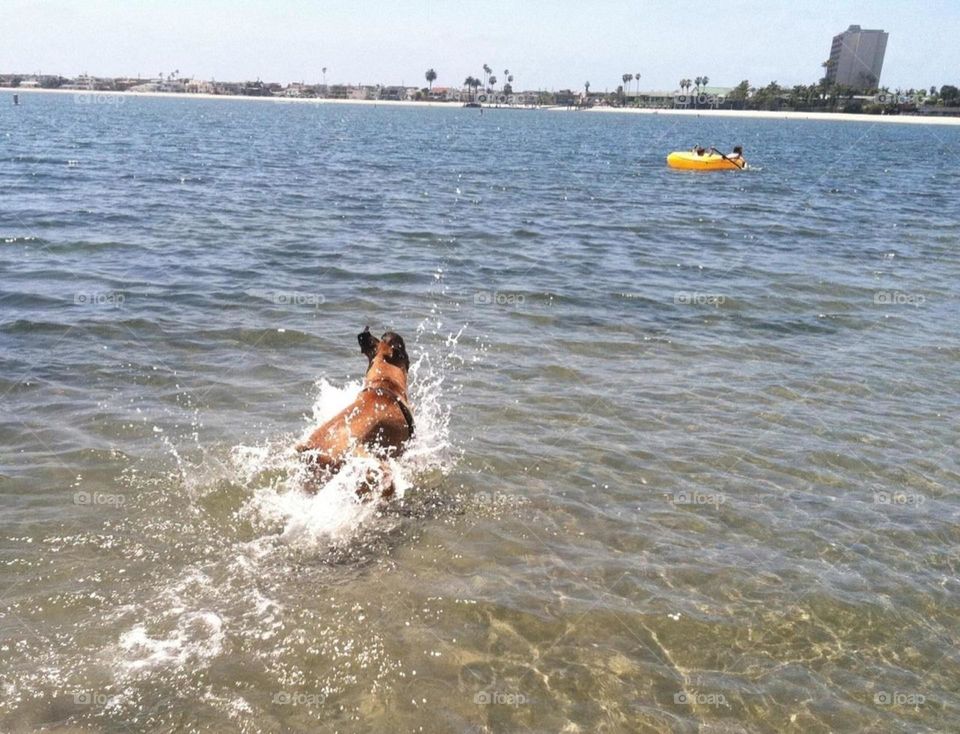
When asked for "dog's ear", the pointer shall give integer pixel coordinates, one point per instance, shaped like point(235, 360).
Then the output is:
point(398, 350)
point(368, 343)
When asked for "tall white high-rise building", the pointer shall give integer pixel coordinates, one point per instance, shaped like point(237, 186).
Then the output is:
point(856, 58)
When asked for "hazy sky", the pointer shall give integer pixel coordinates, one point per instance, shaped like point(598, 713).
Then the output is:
point(545, 43)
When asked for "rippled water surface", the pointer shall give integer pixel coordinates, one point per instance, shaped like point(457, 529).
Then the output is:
point(686, 452)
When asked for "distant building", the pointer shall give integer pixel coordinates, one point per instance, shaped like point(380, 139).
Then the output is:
point(362, 92)
point(83, 81)
point(443, 94)
point(167, 86)
point(856, 58)
point(228, 88)
point(199, 86)
point(122, 84)
point(656, 98)
point(255, 89)
point(694, 97)
point(393, 94)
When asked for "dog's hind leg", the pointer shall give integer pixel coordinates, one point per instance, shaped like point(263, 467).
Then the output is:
point(387, 486)
point(375, 481)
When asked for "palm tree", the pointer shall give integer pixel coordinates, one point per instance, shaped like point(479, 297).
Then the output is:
point(472, 84)
point(468, 83)
point(431, 77)
point(626, 80)
point(506, 75)
point(586, 88)
point(323, 71)
point(828, 67)
point(493, 81)
point(637, 77)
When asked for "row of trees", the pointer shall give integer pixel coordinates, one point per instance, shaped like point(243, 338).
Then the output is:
point(698, 85)
point(827, 96)
point(627, 78)
point(822, 96)
point(473, 83)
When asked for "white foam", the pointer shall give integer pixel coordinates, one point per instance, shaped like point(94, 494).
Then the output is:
point(197, 636)
point(331, 400)
point(185, 625)
point(331, 515)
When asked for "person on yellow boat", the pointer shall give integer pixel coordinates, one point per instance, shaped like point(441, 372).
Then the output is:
point(736, 157)
point(699, 150)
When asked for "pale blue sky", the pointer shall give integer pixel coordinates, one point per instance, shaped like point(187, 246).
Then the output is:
point(545, 43)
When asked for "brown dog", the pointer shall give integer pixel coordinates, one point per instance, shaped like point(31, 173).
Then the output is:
point(378, 423)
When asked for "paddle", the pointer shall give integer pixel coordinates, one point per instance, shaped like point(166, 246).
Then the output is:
point(740, 164)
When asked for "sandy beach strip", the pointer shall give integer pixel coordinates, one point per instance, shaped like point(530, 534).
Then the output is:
point(769, 115)
point(84, 95)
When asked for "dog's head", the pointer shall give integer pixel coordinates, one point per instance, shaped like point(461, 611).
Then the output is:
point(389, 349)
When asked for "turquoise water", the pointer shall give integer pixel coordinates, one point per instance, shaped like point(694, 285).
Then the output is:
point(686, 454)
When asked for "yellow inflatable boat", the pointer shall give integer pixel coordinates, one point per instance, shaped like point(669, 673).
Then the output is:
point(690, 161)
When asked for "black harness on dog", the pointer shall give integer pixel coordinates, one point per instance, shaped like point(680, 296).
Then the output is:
point(401, 403)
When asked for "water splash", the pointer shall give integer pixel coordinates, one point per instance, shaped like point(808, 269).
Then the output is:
point(334, 515)
point(236, 590)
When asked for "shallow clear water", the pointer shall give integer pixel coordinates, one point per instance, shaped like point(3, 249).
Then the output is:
point(686, 455)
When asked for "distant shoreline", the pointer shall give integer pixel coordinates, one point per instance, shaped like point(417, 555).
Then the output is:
point(785, 115)
point(754, 114)
point(194, 95)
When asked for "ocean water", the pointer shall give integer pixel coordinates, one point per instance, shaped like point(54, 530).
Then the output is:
point(686, 452)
